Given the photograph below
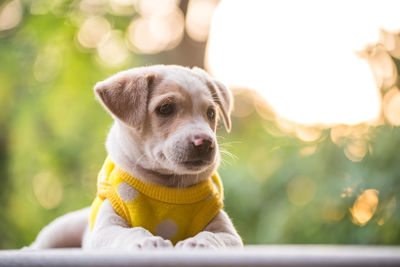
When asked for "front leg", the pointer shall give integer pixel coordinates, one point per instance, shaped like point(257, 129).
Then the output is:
point(110, 231)
point(219, 233)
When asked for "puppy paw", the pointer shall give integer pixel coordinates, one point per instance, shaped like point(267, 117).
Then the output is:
point(194, 243)
point(153, 242)
point(203, 240)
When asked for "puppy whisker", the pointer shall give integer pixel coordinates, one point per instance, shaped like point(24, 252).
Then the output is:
point(225, 162)
point(230, 144)
point(229, 154)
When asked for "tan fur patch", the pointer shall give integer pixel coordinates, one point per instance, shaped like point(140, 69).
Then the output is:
point(221, 95)
point(125, 96)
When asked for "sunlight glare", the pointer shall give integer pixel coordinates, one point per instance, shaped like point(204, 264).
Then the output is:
point(300, 57)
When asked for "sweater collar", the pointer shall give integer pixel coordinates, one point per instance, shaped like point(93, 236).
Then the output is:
point(192, 194)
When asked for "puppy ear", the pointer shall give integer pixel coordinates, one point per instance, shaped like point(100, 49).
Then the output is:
point(225, 102)
point(125, 95)
point(221, 95)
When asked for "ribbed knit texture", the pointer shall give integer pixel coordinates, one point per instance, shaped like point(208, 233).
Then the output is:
point(173, 213)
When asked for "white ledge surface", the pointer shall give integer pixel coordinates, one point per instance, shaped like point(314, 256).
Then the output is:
point(270, 255)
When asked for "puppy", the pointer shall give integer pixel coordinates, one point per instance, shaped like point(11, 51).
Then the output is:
point(158, 187)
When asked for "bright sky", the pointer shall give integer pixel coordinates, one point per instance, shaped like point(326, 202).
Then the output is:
point(300, 55)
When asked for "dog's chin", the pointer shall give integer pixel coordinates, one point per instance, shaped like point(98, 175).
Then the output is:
point(196, 166)
point(190, 166)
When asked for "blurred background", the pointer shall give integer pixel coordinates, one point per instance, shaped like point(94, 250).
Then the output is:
point(313, 156)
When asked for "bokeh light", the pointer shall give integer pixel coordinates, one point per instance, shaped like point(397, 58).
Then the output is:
point(356, 149)
point(47, 64)
point(39, 7)
point(332, 213)
point(97, 7)
point(93, 31)
point(389, 209)
point(123, 7)
point(156, 7)
point(155, 34)
point(113, 50)
point(10, 15)
point(48, 190)
point(364, 207)
point(198, 18)
point(391, 106)
point(382, 65)
point(160, 27)
point(308, 134)
point(301, 190)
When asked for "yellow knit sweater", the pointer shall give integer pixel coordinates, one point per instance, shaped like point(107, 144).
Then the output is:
point(172, 213)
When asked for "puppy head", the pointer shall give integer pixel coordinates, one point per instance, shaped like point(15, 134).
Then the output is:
point(170, 114)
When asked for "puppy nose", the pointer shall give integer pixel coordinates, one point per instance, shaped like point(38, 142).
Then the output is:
point(203, 141)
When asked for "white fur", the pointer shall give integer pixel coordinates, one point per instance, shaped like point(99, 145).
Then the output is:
point(138, 155)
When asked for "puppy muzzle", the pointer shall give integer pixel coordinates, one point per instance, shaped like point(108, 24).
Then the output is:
point(200, 151)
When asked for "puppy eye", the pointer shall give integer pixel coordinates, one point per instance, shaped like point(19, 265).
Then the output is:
point(211, 114)
point(165, 109)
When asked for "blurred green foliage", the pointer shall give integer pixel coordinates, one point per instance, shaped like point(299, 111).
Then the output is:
point(257, 187)
point(52, 134)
